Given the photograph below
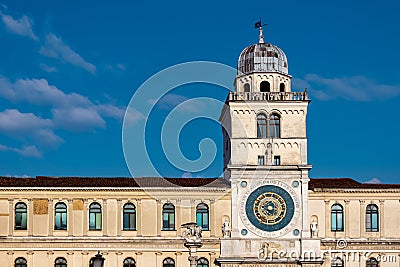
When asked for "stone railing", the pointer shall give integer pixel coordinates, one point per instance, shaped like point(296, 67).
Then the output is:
point(269, 96)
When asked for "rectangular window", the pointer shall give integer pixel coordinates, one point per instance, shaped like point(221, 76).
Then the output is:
point(261, 160)
point(277, 160)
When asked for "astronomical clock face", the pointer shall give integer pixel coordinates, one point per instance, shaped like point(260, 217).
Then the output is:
point(270, 209)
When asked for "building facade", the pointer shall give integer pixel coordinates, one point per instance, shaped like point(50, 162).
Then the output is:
point(265, 211)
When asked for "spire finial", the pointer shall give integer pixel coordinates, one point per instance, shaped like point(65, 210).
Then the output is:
point(260, 26)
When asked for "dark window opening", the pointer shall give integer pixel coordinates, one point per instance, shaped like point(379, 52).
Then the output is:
point(265, 86)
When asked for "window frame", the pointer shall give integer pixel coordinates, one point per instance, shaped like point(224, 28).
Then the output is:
point(96, 212)
point(203, 262)
point(130, 212)
point(371, 262)
point(260, 160)
point(20, 264)
point(129, 264)
point(274, 125)
point(168, 262)
point(337, 262)
point(277, 160)
point(335, 214)
point(23, 214)
point(372, 218)
point(60, 262)
point(63, 216)
point(168, 212)
point(203, 215)
point(262, 126)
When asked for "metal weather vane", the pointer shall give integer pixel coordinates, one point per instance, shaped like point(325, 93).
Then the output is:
point(259, 25)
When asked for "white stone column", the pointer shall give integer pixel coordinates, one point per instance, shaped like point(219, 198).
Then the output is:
point(11, 216)
point(119, 258)
point(30, 258)
point(178, 215)
point(304, 204)
point(50, 216)
point(85, 258)
point(70, 217)
point(50, 258)
point(30, 217)
point(158, 259)
point(105, 218)
point(139, 216)
point(119, 217)
point(193, 210)
point(10, 257)
point(212, 218)
point(85, 217)
point(212, 258)
point(159, 217)
point(178, 256)
point(362, 218)
point(139, 258)
point(70, 258)
point(347, 218)
point(327, 219)
point(381, 218)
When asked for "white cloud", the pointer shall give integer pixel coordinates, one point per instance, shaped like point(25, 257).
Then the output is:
point(373, 181)
point(28, 151)
point(47, 68)
point(21, 26)
point(132, 116)
point(70, 111)
point(355, 88)
point(77, 119)
point(56, 48)
point(27, 126)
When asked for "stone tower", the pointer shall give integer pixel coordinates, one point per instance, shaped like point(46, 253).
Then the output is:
point(265, 158)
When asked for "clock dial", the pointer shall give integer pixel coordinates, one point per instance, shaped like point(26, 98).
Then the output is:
point(269, 208)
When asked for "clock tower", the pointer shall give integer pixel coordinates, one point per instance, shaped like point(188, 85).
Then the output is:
point(265, 159)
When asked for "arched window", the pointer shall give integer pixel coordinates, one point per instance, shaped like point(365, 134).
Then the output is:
point(169, 217)
point(60, 262)
point(337, 218)
point(274, 126)
point(372, 218)
point(202, 262)
point(261, 126)
point(202, 217)
point(20, 262)
point(60, 216)
point(337, 262)
point(246, 87)
point(372, 262)
point(265, 86)
point(168, 262)
point(129, 217)
point(95, 216)
point(20, 216)
point(282, 87)
point(129, 262)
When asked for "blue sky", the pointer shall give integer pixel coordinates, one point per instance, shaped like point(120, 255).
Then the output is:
point(69, 69)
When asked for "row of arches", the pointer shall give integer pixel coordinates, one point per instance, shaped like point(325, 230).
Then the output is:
point(128, 262)
point(95, 216)
point(264, 87)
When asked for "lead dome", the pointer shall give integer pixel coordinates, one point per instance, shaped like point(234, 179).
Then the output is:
point(262, 57)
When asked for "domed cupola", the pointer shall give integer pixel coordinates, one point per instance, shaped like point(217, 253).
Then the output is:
point(262, 57)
